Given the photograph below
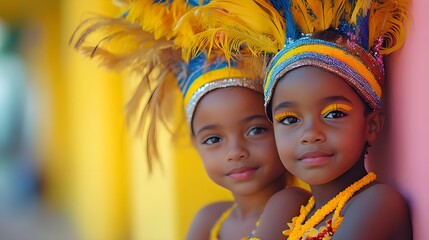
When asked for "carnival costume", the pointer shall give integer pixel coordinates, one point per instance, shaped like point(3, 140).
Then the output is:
point(358, 33)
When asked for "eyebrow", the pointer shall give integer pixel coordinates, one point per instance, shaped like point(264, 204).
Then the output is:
point(247, 119)
point(206, 127)
point(252, 117)
point(284, 105)
point(336, 98)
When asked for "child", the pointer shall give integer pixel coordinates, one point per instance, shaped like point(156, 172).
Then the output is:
point(224, 110)
point(323, 93)
point(236, 144)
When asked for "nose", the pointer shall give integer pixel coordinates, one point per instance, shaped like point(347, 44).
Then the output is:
point(237, 150)
point(313, 132)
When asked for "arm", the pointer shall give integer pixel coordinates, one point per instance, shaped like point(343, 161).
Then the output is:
point(279, 210)
point(205, 219)
point(378, 213)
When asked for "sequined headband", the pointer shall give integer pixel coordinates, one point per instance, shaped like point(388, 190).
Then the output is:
point(207, 73)
point(348, 60)
point(219, 78)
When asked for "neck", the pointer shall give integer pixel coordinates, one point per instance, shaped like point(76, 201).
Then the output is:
point(252, 205)
point(323, 193)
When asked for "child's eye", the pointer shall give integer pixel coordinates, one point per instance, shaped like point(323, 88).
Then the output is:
point(287, 118)
point(335, 114)
point(256, 131)
point(212, 140)
point(336, 110)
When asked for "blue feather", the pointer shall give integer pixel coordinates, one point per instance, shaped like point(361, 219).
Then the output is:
point(363, 34)
point(194, 3)
point(284, 7)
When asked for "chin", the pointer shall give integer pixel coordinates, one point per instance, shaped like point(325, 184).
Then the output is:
point(314, 179)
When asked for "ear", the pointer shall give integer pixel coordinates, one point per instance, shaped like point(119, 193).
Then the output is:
point(375, 122)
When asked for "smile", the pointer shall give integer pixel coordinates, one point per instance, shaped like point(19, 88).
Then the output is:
point(315, 158)
point(242, 173)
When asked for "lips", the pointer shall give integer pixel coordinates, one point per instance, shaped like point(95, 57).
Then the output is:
point(242, 173)
point(315, 158)
point(315, 154)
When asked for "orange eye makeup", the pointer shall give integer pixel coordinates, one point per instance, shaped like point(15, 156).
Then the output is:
point(281, 116)
point(336, 107)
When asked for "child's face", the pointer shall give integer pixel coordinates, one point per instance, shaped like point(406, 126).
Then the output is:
point(320, 124)
point(236, 141)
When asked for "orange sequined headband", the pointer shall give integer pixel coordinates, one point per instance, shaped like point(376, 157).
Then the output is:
point(349, 60)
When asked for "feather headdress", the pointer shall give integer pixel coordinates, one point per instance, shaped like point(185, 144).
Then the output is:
point(365, 29)
point(362, 31)
point(226, 25)
point(367, 20)
point(157, 17)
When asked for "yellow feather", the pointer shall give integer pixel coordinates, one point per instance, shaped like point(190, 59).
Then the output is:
point(347, 10)
point(120, 45)
point(303, 20)
point(337, 12)
point(389, 18)
point(227, 25)
point(360, 9)
point(157, 18)
point(252, 66)
point(320, 11)
point(317, 15)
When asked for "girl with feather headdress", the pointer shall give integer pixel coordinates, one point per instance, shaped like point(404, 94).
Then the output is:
point(322, 92)
point(223, 105)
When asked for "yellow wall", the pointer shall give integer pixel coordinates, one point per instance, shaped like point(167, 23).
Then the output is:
point(92, 169)
point(98, 197)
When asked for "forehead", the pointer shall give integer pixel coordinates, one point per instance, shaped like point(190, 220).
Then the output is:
point(312, 84)
point(228, 103)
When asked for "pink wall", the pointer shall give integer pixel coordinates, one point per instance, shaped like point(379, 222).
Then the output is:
point(401, 157)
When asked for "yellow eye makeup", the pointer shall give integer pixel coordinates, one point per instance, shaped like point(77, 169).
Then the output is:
point(281, 116)
point(336, 107)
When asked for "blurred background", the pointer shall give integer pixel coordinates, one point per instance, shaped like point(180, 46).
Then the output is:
point(70, 169)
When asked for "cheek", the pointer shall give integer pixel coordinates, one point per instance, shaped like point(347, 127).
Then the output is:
point(284, 142)
point(265, 148)
point(212, 167)
point(286, 152)
point(351, 137)
point(210, 159)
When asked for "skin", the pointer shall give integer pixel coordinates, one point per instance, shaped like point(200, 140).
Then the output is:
point(322, 142)
point(236, 143)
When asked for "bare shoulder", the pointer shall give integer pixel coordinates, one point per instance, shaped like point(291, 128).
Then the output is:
point(205, 218)
point(378, 212)
point(279, 210)
point(285, 204)
point(290, 196)
point(288, 201)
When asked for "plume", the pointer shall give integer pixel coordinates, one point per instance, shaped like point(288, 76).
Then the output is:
point(227, 26)
point(118, 45)
point(360, 9)
point(389, 19)
point(317, 15)
point(157, 17)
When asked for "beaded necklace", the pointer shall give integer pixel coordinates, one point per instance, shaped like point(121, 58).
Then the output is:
point(297, 229)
